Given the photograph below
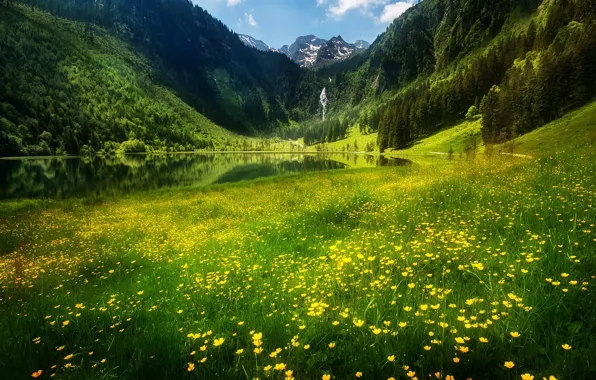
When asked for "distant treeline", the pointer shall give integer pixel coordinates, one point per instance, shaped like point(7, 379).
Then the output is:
point(326, 131)
point(334, 128)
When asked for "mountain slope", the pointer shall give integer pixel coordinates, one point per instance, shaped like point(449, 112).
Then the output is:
point(417, 43)
point(237, 87)
point(67, 88)
point(361, 45)
point(311, 51)
point(254, 43)
point(578, 129)
point(522, 63)
point(443, 56)
point(335, 50)
point(304, 50)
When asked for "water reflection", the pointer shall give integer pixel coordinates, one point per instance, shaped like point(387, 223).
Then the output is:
point(64, 178)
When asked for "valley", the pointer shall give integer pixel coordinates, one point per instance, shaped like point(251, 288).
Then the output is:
point(440, 267)
point(180, 200)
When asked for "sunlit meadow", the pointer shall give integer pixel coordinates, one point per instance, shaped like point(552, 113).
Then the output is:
point(458, 270)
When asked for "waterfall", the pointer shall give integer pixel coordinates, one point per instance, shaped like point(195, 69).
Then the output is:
point(324, 102)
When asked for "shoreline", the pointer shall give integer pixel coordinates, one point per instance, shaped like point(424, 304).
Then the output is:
point(72, 157)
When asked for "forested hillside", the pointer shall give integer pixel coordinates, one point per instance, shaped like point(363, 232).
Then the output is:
point(209, 67)
point(547, 56)
point(518, 64)
point(70, 88)
point(442, 57)
point(556, 77)
point(424, 40)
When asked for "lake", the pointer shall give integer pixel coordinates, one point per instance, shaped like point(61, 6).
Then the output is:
point(60, 178)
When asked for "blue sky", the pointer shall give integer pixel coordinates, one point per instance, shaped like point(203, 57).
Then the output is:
point(280, 22)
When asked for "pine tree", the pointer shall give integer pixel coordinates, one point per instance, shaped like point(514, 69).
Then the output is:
point(491, 115)
point(530, 36)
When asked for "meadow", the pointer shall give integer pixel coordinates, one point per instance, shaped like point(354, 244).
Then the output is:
point(462, 269)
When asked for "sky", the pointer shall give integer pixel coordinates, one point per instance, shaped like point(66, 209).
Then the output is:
point(280, 22)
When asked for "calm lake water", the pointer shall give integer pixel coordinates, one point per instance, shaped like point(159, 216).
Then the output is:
point(60, 178)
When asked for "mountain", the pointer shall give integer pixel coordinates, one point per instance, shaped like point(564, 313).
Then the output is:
point(311, 51)
point(361, 45)
point(517, 63)
point(335, 50)
point(304, 50)
point(254, 43)
point(198, 57)
point(285, 50)
point(79, 90)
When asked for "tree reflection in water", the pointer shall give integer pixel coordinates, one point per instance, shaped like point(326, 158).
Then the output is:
point(59, 178)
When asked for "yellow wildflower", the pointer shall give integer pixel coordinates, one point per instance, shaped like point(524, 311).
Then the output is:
point(280, 366)
point(218, 342)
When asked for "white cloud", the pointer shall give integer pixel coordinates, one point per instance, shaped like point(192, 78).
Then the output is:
point(216, 3)
point(250, 20)
point(393, 11)
point(341, 7)
point(390, 11)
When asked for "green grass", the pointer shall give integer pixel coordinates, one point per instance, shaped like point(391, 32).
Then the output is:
point(570, 132)
point(573, 130)
point(439, 143)
point(451, 138)
point(354, 136)
point(341, 271)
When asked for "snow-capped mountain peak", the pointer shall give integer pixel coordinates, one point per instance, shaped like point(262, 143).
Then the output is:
point(311, 51)
point(254, 43)
point(337, 50)
point(361, 45)
point(304, 50)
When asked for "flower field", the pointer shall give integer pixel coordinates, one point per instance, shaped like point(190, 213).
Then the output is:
point(481, 270)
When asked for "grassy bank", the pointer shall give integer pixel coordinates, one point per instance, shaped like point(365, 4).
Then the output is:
point(462, 269)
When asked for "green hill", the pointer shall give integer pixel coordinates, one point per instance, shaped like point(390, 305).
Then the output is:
point(197, 56)
point(67, 87)
point(522, 64)
point(573, 131)
point(518, 64)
